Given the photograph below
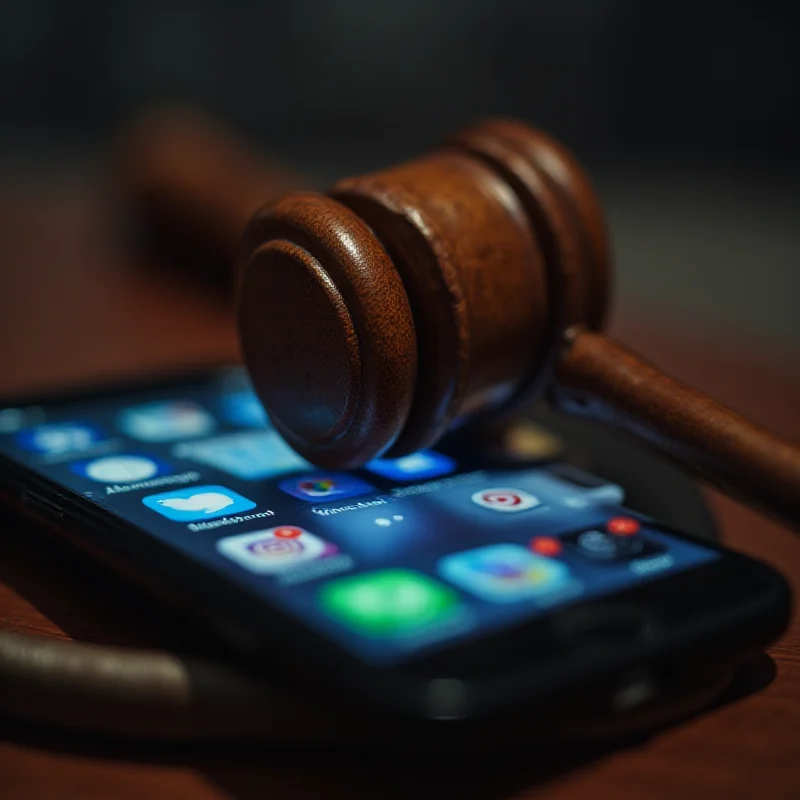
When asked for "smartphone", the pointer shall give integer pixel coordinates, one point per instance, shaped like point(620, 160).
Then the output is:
point(442, 585)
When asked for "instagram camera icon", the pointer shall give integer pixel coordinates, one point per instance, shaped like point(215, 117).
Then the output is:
point(274, 550)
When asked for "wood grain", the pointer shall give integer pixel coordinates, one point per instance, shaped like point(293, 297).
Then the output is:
point(602, 380)
point(62, 281)
point(322, 305)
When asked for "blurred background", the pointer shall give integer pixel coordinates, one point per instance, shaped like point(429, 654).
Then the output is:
point(684, 112)
point(686, 115)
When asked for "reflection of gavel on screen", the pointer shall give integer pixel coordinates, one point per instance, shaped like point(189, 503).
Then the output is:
point(400, 304)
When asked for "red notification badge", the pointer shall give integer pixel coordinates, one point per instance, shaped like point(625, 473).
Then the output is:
point(623, 526)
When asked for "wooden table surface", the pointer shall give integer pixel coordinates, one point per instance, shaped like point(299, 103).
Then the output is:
point(73, 306)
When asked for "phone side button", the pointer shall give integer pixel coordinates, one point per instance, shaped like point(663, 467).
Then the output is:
point(42, 506)
point(606, 624)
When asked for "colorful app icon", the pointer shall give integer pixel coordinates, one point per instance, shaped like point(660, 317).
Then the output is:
point(275, 549)
point(417, 466)
point(199, 502)
point(60, 438)
point(506, 573)
point(387, 603)
point(250, 455)
point(505, 500)
point(325, 486)
point(166, 421)
point(122, 468)
point(244, 409)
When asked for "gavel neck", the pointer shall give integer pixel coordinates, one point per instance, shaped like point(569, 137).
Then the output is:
point(601, 380)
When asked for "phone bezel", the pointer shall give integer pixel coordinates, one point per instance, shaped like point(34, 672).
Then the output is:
point(737, 605)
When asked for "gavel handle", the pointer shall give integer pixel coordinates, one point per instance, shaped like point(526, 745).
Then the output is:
point(599, 379)
point(194, 183)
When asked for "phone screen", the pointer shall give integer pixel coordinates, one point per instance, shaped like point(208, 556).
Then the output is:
point(400, 557)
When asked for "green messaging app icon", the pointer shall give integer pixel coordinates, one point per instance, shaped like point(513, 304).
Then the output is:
point(388, 602)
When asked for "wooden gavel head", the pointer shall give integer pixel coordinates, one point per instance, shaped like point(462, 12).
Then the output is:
point(376, 317)
point(400, 304)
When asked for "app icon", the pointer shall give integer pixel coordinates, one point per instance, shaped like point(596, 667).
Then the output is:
point(15, 419)
point(417, 466)
point(166, 421)
point(275, 549)
point(505, 500)
point(244, 409)
point(250, 455)
point(325, 486)
point(59, 438)
point(389, 602)
point(125, 468)
point(578, 489)
point(619, 541)
point(199, 502)
point(506, 573)
point(603, 546)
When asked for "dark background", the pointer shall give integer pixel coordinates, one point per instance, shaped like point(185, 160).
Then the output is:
point(685, 113)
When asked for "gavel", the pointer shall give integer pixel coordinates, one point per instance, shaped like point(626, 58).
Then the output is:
point(402, 304)
point(193, 185)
